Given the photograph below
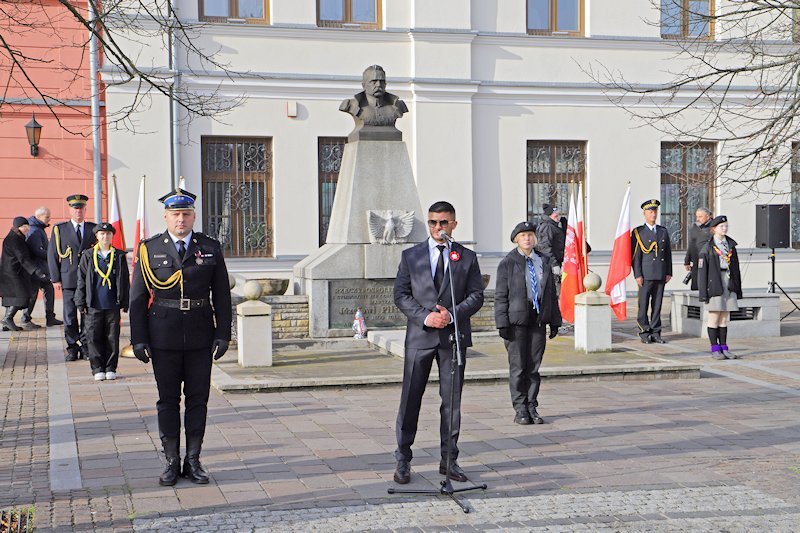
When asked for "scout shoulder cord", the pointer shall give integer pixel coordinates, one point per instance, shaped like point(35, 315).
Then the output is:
point(105, 276)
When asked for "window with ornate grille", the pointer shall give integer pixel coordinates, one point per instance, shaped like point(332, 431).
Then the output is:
point(555, 169)
point(349, 14)
point(330, 150)
point(687, 19)
point(555, 17)
point(237, 194)
point(242, 11)
point(688, 173)
point(795, 195)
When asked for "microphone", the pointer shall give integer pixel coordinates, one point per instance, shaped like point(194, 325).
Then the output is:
point(445, 237)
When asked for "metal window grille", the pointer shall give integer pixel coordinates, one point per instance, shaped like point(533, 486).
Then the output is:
point(687, 182)
point(554, 171)
point(237, 186)
point(687, 19)
point(330, 151)
point(795, 195)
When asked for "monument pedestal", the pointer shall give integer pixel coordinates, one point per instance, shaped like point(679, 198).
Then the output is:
point(254, 333)
point(592, 322)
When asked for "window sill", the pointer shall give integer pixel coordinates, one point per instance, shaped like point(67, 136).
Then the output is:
point(547, 33)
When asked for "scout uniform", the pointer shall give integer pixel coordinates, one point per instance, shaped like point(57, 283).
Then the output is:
point(652, 261)
point(180, 315)
point(67, 244)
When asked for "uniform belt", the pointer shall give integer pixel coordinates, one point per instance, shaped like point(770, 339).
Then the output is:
point(184, 304)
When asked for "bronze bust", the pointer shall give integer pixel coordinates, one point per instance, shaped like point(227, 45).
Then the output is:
point(374, 110)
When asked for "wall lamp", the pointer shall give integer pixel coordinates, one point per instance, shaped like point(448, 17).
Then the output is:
point(34, 131)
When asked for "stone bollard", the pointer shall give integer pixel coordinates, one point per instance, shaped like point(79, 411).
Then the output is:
point(254, 328)
point(592, 318)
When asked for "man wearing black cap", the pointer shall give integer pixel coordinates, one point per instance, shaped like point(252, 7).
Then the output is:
point(187, 323)
point(551, 238)
point(67, 244)
point(16, 269)
point(652, 268)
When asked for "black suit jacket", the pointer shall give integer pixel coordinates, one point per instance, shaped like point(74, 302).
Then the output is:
point(656, 264)
point(65, 270)
point(205, 276)
point(416, 296)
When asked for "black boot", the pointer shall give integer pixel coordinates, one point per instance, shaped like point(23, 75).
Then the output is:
point(192, 468)
point(173, 469)
point(8, 320)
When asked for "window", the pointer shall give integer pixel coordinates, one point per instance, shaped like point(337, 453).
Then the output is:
point(555, 169)
point(237, 194)
point(244, 11)
point(795, 211)
point(348, 13)
point(687, 183)
point(555, 17)
point(330, 161)
point(687, 19)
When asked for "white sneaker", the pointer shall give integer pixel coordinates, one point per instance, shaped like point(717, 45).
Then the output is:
point(100, 376)
point(111, 375)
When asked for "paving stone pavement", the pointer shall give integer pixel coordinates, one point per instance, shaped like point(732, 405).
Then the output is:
point(718, 453)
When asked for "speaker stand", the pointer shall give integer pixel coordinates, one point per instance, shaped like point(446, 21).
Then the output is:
point(773, 284)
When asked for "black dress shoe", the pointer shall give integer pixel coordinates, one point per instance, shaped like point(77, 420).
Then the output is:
point(193, 470)
point(54, 322)
point(657, 339)
point(535, 418)
point(456, 473)
point(402, 474)
point(522, 419)
point(71, 356)
point(171, 473)
point(646, 340)
point(29, 325)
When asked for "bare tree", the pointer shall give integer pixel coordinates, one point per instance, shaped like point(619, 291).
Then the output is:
point(734, 79)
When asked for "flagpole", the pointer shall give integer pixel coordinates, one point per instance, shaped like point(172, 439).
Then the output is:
point(583, 233)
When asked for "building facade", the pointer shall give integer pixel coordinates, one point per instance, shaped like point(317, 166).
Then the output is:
point(505, 114)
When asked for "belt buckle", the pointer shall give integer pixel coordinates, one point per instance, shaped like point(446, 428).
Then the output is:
point(186, 304)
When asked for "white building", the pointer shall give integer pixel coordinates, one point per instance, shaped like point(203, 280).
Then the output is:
point(503, 116)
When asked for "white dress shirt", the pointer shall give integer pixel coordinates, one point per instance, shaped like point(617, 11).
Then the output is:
point(81, 225)
point(185, 240)
point(433, 255)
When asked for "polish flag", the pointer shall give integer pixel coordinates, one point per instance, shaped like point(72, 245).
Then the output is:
point(141, 222)
point(572, 267)
point(620, 266)
point(113, 216)
point(580, 234)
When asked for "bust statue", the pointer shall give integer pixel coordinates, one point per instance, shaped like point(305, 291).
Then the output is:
point(374, 110)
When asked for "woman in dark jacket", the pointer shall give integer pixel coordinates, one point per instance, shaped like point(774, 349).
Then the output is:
point(525, 302)
point(16, 269)
point(720, 284)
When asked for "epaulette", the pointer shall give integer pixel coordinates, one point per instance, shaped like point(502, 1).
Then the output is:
point(202, 236)
point(154, 237)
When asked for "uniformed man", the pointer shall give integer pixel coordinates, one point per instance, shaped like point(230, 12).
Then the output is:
point(652, 268)
point(67, 243)
point(187, 323)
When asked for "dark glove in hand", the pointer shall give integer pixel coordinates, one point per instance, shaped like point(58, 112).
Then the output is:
point(219, 348)
point(83, 310)
point(553, 332)
point(142, 352)
point(506, 333)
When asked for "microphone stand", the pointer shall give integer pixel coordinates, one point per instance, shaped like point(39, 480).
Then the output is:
point(456, 361)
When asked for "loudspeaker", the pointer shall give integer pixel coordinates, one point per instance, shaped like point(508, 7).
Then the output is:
point(772, 226)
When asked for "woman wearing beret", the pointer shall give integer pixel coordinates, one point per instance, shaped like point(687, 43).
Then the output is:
point(525, 302)
point(720, 284)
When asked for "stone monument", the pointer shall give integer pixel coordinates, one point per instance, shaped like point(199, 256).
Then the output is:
point(592, 317)
point(376, 215)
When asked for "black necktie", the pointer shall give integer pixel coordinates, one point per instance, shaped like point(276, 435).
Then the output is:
point(181, 248)
point(78, 231)
point(438, 277)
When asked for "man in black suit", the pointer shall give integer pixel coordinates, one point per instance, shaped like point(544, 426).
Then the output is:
point(422, 293)
point(67, 243)
point(652, 268)
point(187, 322)
point(699, 234)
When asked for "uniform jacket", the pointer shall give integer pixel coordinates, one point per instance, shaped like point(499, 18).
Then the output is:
point(37, 243)
point(64, 270)
point(16, 269)
point(550, 239)
point(709, 273)
point(511, 304)
point(416, 296)
point(654, 265)
point(87, 276)
point(205, 276)
point(698, 235)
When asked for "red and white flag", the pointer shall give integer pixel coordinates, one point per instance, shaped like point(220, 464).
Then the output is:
point(580, 234)
point(620, 267)
point(118, 241)
point(573, 266)
point(141, 222)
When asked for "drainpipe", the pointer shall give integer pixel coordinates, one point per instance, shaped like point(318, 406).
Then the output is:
point(95, 99)
point(174, 109)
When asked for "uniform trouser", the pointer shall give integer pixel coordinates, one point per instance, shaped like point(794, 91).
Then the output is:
point(73, 326)
point(48, 293)
point(102, 332)
point(417, 369)
point(525, 353)
point(192, 369)
point(650, 295)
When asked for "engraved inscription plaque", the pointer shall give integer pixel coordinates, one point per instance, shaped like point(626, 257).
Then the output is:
point(374, 297)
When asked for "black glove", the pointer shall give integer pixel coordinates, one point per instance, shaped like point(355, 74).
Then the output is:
point(507, 333)
point(83, 309)
point(219, 348)
point(553, 332)
point(142, 352)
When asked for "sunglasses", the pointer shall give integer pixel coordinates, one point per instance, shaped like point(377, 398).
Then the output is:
point(442, 223)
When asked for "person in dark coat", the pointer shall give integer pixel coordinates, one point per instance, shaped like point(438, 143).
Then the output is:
point(38, 243)
point(719, 282)
point(16, 269)
point(551, 238)
point(180, 314)
point(525, 302)
point(103, 291)
point(698, 235)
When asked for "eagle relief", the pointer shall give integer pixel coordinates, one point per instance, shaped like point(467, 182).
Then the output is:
point(389, 226)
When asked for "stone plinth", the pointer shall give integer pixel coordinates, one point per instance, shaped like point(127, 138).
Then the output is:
point(758, 316)
point(592, 322)
point(254, 333)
